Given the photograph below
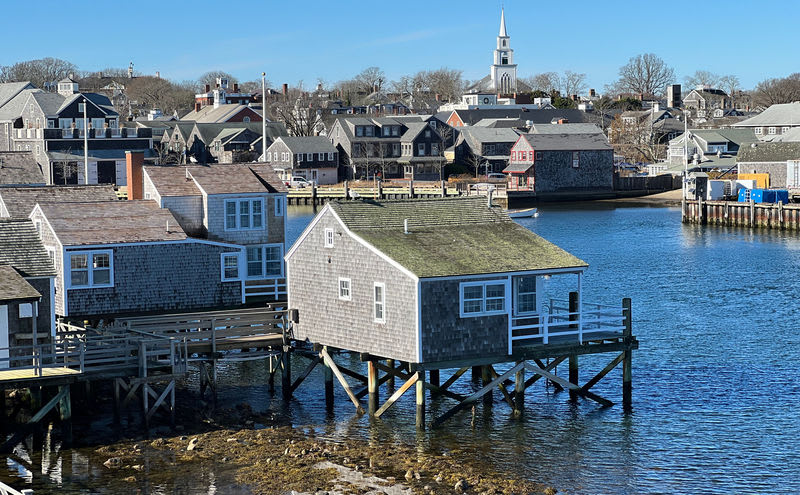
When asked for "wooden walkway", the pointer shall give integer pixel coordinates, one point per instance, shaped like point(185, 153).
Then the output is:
point(317, 195)
point(31, 373)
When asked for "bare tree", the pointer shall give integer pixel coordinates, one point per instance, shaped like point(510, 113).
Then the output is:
point(299, 111)
point(572, 83)
point(370, 79)
point(635, 140)
point(153, 92)
point(729, 84)
point(211, 77)
point(39, 71)
point(644, 74)
point(546, 82)
point(702, 78)
point(778, 90)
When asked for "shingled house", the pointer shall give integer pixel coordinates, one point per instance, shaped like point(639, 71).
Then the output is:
point(26, 290)
point(421, 281)
point(19, 168)
point(18, 202)
point(311, 157)
point(243, 204)
point(130, 257)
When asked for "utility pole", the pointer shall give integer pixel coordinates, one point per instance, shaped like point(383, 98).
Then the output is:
point(85, 144)
point(263, 117)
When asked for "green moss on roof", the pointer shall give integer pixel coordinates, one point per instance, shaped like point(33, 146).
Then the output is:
point(451, 237)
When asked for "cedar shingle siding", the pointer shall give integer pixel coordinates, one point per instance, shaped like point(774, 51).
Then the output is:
point(157, 277)
point(313, 272)
point(554, 172)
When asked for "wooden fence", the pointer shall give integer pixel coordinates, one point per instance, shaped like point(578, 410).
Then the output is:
point(315, 195)
point(750, 214)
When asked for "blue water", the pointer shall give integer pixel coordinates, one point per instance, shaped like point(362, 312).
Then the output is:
point(716, 386)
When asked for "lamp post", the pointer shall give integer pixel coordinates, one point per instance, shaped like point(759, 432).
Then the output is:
point(263, 116)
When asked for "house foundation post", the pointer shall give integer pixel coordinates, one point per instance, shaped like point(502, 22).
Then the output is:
point(328, 374)
point(286, 373)
point(65, 414)
point(434, 377)
point(476, 374)
point(372, 386)
point(573, 375)
point(116, 401)
point(627, 385)
point(574, 309)
point(390, 381)
point(486, 378)
point(420, 389)
point(519, 390)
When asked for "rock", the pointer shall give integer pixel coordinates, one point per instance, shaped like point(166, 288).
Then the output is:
point(417, 475)
point(130, 479)
point(550, 491)
point(184, 438)
point(410, 475)
point(158, 442)
point(112, 462)
point(138, 467)
point(231, 440)
point(427, 488)
point(286, 452)
point(461, 486)
point(192, 444)
point(439, 478)
point(391, 479)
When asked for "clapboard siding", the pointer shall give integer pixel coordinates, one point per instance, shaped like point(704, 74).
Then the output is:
point(313, 273)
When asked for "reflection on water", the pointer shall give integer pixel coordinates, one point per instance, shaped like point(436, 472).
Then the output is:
point(715, 380)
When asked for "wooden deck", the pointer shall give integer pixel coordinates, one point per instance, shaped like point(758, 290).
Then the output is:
point(11, 376)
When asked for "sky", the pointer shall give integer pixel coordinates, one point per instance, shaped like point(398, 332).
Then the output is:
point(309, 40)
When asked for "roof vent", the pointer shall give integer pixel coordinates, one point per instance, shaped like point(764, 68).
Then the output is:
point(405, 226)
point(167, 226)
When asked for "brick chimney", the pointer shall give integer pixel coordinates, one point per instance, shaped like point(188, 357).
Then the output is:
point(235, 87)
point(133, 165)
point(438, 97)
point(208, 88)
point(197, 106)
point(592, 93)
point(285, 89)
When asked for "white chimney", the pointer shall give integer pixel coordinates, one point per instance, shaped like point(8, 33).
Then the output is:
point(405, 226)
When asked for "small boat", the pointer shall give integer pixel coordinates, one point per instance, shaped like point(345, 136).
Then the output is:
point(523, 213)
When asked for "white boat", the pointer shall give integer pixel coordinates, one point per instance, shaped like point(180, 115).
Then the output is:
point(523, 213)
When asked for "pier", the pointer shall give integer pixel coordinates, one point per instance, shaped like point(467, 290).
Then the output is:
point(740, 214)
point(316, 195)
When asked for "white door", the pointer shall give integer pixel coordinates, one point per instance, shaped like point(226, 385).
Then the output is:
point(3, 337)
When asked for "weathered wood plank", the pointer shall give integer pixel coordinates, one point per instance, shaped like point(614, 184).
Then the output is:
point(338, 374)
point(398, 393)
point(567, 384)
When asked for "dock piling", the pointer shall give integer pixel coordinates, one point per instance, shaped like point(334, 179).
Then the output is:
point(434, 377)
point(627, 385)
point(519, 390)
point(420, 389)
point(286, 373)
point(372, 386)
point(328, 386)
point(486, 378)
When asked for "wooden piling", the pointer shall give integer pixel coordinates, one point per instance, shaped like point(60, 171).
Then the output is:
point(372, 387)
point(65, 414)
point(286, 373)
point(328, 375)
point(476, 374)
point(390, 382)
point(627, 385)
point(486, 378)
point(420, 389)
point(573, 375)
point(433, 377)
point(519, 390)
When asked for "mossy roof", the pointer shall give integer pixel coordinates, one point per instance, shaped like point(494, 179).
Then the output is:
point(451, 237)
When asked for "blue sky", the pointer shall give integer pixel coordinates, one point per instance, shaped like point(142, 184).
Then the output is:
point(304, 40)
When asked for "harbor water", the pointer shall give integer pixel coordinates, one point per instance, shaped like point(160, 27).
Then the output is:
point(715, 379)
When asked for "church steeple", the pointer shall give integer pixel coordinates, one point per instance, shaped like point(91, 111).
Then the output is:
point(504, 71)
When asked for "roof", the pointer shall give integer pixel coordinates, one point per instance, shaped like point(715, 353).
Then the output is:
point(569, 128)
point(218, 114)
point(451, 237)
point(268, 177)
point(13, 286)
point(783, 114)
point(308, 144)
point(19, 168)
point(21, 248)
point(171, 181)
point(413, 129)
point(111, 222)
point(500, 123)
point(226, 179)
point(769, 152)
point(12, 89)
point(537, 116)
point(489, 134)
point(19, 201)
point(208, 132)
point(576, 142)
point(517, 168)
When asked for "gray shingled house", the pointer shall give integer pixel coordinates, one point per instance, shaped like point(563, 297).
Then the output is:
point(243, 204)
point(422, 281)
point(312, 157)
point(769, 158)
point(18, 202)
point(26, 290)
point(129, 257)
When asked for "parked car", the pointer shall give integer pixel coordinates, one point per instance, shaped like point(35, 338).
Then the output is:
point(297, 182)
point(496, 176)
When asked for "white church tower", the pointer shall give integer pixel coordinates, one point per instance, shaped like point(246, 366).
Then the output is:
point(504, 70)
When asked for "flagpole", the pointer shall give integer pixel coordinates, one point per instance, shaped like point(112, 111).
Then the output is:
point(263, 117)
point(85, 144)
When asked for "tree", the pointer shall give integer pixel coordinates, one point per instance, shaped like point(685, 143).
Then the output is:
point(572, 83)
point(644, 74)
point(729, 84)
point(211, 77)
point(299, 111)
point(777, 90)
point(39, 71)
point(545, 82)
point(635, 140)
point(154, 92)
point(445, 82)
point(702, 78)
point(370, 79)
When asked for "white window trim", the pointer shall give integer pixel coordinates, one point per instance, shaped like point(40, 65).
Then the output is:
point(482, 284)
point(382, 302)
point(264, 275)
point(238, 201)
point(238, 258)
point(90, 270)
point(517, 293)
point(279, 209)
point(349, 296)
point(329, 238)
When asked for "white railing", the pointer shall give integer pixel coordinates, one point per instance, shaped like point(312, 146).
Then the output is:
point(7, 490)
point(66, 133)
point(559, 321)
point(267, 287)
point(30, 133)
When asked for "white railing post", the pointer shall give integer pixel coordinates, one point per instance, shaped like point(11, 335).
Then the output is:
point(545, 329)
point(580, 310)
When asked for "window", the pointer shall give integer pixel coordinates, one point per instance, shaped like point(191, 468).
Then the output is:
point(330, 157)
point(359, 130)
point(395, 130)
point(380, 302)
point(434, 149)
point(230, 266)
point(278, 206)
point(576, 159)
point(321, 156)
point(538, 155)
point(785, 129)
point(483, 298)
point(300, 157)
point(526, 295)
point(427, 133)
point(37, 224)
point(757, 130)
point(269, 156)
point(264, 261)
point(772, 130)
point(328, 238)
point(490, 149)
point(91, 269)
point(387, 131)
point(368, 131)
point(245, 119)
point(244, 214)
point(81, 107)
point(421, 149)
point(344, 289)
